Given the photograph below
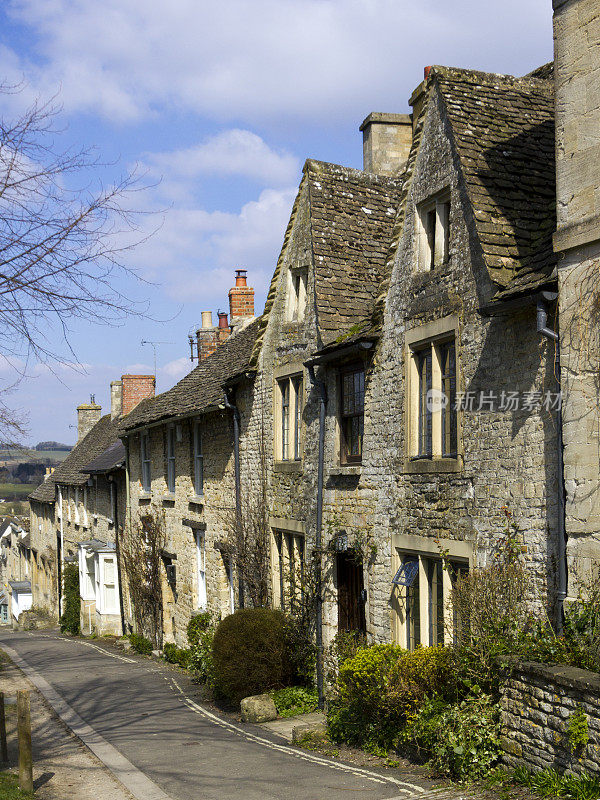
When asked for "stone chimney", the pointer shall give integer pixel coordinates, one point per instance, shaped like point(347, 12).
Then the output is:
point(88, 414)
point(387, 139)
point(241, 298)
point(135, 389)
point(206, 337)
point(116, 399)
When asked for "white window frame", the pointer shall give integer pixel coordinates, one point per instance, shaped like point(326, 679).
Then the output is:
point(426, 552)
point(296, 293)
point(171, 459)
point(84, 507)
point(198, 461)
point(76, 505)
point(103, 606)
point(431, 255)
point(145, 463)
point(288, 442)
point(201, 565)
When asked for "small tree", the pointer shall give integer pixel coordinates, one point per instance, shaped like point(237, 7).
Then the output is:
point(141, 552)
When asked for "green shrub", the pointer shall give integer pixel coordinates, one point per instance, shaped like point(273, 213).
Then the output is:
point(344, 645)
point(250, 654)
point(301, 650)
point(201, 658)
point(379, 687)
point(295, 700)
point(176, 655)
point(197, 626)
point(69, 620)
point(461, 741)
point(140, 644)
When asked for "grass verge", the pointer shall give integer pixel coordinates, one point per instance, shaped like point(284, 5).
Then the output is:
point(9, 788)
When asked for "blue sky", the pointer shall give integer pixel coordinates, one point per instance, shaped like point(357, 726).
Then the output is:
point(220, 103)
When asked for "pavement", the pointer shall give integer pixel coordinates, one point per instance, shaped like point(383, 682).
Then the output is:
point(145, 722)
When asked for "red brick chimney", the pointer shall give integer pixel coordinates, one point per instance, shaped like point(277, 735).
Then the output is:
point(135, 389)
point(241, 298)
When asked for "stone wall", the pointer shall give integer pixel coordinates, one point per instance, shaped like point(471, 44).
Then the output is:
point(538, 703)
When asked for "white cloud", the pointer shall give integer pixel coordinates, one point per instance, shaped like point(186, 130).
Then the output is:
point(276, 60)
point(177, 369)
point(232, 152)
point(194, 252)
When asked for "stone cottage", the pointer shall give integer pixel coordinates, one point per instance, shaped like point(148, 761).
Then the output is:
point(181, 461)
point(78, 512)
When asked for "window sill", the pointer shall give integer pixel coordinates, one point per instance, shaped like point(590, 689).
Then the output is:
point(168, 497)
point(345, 469)
point(145, 496)
point(287, 466)
point(422, 466)
point(196, 499)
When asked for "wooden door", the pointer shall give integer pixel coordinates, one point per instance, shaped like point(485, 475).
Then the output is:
point(351, 596)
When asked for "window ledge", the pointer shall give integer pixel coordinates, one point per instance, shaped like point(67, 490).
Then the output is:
point(423, 466)
point(197, 499)
point(287, 466)
point(168, 497)
point(145, 496)
point(346, 469)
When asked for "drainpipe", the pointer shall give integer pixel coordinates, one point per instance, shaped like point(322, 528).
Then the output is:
point(542, 327)
point(238, 486)
point(322, 389)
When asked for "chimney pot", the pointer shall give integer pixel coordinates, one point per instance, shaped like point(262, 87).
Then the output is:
point(240, 277)
point(207, 319)
point(426, 71)
point(223, 319)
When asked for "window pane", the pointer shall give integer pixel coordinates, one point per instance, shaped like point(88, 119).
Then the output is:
point(449, 426)
point(425, 413)
point(285, 418)
point(297, 416)
point(352, 411)
point(436, 602)
point(413, 627)
point(430, 226)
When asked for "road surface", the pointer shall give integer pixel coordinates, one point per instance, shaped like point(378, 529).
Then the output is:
point(150, 714)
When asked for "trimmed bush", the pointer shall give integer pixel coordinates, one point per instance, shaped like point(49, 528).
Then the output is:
point(140, 644)
point(380, 687)
point(250, 654)
point(176, 655)
point(69, 620)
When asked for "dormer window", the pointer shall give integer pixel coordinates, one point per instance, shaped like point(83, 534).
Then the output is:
point(297, 294)
point(433, 232)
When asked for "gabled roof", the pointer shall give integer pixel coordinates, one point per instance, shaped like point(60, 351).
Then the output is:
point(202, 389)
point(70, 471)
point(503, 131)
point(351, 217)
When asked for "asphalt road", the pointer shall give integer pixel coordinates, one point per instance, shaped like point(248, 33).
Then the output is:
point(149, 713)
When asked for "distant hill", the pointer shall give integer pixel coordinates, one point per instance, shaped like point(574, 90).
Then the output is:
point(53, 446)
